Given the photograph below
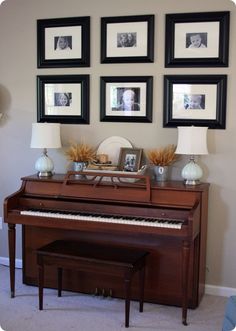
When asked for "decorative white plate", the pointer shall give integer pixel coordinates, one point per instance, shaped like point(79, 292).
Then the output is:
point(111, 146)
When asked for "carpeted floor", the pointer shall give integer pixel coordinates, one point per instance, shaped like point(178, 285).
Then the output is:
point(78, 312)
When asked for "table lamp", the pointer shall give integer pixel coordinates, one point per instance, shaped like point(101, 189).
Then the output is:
point(45, 135)
point(192, 141)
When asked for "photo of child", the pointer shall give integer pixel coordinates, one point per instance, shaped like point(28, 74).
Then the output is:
point(194, 101)
point(196, 40)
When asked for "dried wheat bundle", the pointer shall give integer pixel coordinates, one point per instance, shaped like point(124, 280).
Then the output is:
point(80, 152)
point(163, 156)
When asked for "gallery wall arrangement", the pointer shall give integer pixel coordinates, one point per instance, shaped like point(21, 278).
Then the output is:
point(191, 40)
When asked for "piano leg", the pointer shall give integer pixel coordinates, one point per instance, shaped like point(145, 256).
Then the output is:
point(12, 255)
point(185, 276)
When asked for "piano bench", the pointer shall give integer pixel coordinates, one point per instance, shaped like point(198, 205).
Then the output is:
point(90, 257)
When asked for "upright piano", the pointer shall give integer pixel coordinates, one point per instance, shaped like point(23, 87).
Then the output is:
point(169, 219)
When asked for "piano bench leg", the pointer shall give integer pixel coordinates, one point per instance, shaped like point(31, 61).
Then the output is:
point(128, 279)
point(141, 288)
point(40, 285)
point(59, 280)
point(127, 301)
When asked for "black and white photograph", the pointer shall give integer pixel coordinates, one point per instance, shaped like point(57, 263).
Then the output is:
point(126, 99)
point(63, 99)
point(63, 42)
point(130, 159)
point(197, 39)
point(194, 101)
point(127, 39)
point(198, 100)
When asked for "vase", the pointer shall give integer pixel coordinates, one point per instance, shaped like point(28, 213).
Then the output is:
point(161, 173)
point(79, 166)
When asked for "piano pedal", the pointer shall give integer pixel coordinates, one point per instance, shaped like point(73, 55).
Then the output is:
point(96, 292)
point(110, 294)
point(104, 293)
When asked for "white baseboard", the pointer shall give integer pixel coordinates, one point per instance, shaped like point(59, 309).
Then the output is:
point(5, 261)
point(209, 289)
point(220, 290)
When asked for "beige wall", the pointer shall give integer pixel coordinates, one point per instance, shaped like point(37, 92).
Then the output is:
point(18, 70)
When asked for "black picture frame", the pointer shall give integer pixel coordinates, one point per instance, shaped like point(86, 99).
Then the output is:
point(209, 33)
point(120, 37)
point(136, 91)
point(72, 32)
point(63, 99)
point(198, 100)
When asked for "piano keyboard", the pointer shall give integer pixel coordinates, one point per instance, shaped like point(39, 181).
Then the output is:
point(130, 220)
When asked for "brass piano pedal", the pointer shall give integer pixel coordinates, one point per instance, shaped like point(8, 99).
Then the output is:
point(110, 294)
point(96, 292)
point(104, 293)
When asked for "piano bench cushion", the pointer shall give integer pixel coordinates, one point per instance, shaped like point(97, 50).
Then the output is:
point(66, 250)
point(229, 321)
point(90, 257)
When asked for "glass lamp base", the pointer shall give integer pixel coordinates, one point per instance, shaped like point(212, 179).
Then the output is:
point(191, 173)
point(44, 165)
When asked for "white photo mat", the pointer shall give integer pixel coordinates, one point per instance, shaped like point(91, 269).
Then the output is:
point(209, 111)
point(76, 34)
point(211, 28)
point(75, 106)
point(110, 87)
point(141, 30)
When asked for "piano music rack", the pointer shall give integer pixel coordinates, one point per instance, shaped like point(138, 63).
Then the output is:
point(84, 184)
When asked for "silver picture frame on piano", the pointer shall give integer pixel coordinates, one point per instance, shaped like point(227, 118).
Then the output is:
point(130, 159)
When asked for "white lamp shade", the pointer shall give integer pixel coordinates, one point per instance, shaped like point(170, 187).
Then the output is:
point(192, 140)
point(45, 135)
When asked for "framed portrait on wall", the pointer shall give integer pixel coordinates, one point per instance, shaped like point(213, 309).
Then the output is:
point(197, 39)
point(127, 39)
point(63, 42)
point(198, 100)
point(63, 99)
point(126, 99)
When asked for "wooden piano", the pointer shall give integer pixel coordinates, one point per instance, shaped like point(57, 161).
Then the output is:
point(168, 219)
